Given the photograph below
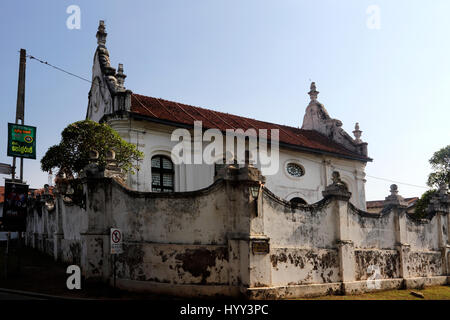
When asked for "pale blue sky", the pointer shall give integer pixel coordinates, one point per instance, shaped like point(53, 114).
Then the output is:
point(251, 58)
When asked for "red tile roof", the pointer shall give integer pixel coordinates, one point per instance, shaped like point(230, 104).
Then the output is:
point(380, 203)
point(41, 191)
point(37, 191)
point(178, 113)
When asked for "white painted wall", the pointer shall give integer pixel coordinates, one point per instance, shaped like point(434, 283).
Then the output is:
point(154, 139)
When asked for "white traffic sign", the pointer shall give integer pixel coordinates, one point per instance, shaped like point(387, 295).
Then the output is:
point(116, 241)
point(5, 168)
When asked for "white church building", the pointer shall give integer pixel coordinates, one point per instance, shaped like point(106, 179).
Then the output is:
point(307, 155)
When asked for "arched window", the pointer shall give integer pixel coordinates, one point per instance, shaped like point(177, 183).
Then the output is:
point(162, 174)
point(296, 201)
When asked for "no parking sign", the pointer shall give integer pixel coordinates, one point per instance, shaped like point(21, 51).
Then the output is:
point(116, 241)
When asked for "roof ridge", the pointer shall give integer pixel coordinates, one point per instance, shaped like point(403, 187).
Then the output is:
point(221, 112)
point(289, 135)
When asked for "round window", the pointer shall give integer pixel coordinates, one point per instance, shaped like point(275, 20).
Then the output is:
point(295, 170)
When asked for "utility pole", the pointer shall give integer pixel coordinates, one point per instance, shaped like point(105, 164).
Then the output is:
point(20, 107)
point(20, 115)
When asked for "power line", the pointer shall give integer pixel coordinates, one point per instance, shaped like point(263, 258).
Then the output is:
point(58, 68)
point(74, 75)
point(379, 178)
point(397, 182)
point(87, 80)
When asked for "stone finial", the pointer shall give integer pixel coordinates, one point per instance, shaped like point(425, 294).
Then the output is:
point(337, 188)
point(93, 155)
point(61, 175)
point(120, 76)
point(50, 178)
point(111, 155)
point(357, 133)
point(313, 93)
point(440, 201)
point(394, 190)
point(101, 34)
point(394, 198)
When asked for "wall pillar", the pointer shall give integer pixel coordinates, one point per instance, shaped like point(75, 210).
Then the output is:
point(346, 260)
point(440, 204)
point(35, 240)
point(442, 218)
point(248, 246)
point(339, 193)
point(94, 226)
point(258, 243)
point(58, 235)
point(398, 205)
point(402, 244)
point(344, 242)
point(44, 243)
point(404, 250)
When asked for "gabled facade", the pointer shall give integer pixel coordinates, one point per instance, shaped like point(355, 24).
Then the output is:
point(307, 156)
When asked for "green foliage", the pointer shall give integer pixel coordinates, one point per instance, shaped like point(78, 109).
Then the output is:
point(422, 204)
point(71, 155)
point(440, 163)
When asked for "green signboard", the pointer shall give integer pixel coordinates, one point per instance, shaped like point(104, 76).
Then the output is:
point(21, 141)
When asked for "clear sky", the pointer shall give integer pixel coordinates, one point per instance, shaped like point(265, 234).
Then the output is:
point(251, 58)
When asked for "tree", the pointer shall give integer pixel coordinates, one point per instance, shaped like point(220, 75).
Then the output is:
point(71, 155)
point(440, 163)
point(420, 211)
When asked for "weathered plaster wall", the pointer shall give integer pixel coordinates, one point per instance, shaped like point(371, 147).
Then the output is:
point(372, 231)
point(203, 242)
point(310, 227)
point(192, 218)
point(56, 232)
point(295, 266)
point(305, 243)
point(423, 235)
point(174, 263)
point(386, 261)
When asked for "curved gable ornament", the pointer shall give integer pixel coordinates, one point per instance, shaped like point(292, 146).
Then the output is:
point(316, 118)
point(97, 97)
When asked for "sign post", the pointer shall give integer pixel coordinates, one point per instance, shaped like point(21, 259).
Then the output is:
point(116, 248)
point(21, 141)
point(5, 168)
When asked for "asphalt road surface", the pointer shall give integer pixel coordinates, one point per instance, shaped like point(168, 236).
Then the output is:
point(15, 296)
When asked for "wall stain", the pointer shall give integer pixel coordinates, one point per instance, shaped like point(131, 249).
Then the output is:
point(197, 261)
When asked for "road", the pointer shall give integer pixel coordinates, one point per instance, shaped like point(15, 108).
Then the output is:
point(15, 296)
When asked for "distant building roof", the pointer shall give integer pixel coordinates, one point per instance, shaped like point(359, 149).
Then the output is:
point(42, 190)
point(36, 191)
point(380, 203)
point(2, 194)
